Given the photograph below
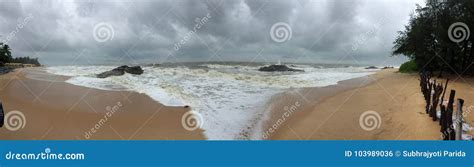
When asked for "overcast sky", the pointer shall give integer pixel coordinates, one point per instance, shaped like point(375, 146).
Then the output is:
point(144, 31)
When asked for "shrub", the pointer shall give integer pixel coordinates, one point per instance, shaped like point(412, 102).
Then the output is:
point(409, 66)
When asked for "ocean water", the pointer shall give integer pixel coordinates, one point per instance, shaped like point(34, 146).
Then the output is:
point(231, 98)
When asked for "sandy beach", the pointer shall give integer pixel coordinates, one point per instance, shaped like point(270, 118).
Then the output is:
point(58, 110)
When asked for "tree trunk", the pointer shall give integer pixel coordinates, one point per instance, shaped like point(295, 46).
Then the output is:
point(452, 62)
point(470, 59)
point(464, 57)
point(443, 65)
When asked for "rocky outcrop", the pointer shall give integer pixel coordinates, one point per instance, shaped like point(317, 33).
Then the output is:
point(371, 68)
point(136, 70)
point(277, 67)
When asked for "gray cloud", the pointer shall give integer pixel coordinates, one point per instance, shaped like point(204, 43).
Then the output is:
point(323, 31)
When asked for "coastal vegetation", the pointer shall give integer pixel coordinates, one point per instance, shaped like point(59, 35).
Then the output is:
point(5, 54)
point(437, 38)
point(408, 67)
point(6, 57)
point(26, 60)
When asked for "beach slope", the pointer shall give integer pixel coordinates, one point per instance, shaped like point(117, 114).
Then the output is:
point(54, 110)
point(393, 96)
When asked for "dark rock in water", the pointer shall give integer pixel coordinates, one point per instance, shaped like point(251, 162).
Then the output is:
point(4, 70)
point(371, 67)
point(115, 72)
point(137, 70)
point(277, 67)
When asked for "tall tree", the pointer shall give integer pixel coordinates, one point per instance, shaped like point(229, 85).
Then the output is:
point(5, 54)
point(8, 52)
point(426, 41)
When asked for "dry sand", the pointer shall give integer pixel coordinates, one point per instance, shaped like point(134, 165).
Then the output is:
point(396, 97)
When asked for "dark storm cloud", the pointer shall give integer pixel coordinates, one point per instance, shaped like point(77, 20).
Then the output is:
point(323, 31)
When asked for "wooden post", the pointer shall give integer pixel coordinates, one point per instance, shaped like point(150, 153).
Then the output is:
point(1, 115)
point(438, 89)
point(431, 98)
point(442, 100)
point(444, 122)
point(428, 101)
point(449, 116)
point(459, 120)
point(444, 92)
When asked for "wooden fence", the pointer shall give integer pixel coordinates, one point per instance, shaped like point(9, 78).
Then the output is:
point(434, 92)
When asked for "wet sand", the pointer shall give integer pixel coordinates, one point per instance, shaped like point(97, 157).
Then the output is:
point(54, 109)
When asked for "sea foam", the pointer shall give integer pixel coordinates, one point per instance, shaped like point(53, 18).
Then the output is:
point(231, 99)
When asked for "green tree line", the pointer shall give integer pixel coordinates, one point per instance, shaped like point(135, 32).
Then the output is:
point(6, 57)
point(5, 54)
point(437, 37)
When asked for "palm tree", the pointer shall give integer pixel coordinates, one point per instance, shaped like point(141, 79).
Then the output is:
point(3, 55)
point(8, 52)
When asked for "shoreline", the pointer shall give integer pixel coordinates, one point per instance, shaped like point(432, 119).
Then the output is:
point(38, 77)
point(394, 97)
point(63, 111)
point(219, 122)
point(287, 104)
point(317, 113)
